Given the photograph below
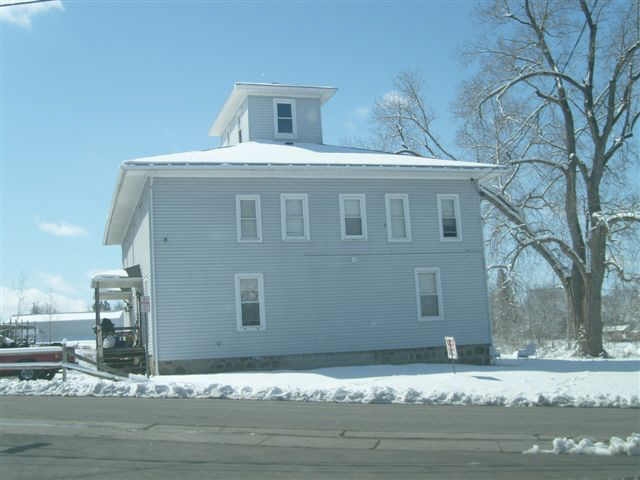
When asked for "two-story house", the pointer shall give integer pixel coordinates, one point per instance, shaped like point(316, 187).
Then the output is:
point(275, 250)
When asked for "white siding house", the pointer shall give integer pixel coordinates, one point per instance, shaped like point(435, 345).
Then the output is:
point(278, 251)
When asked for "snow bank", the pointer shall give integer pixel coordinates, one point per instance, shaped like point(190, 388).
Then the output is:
point(586, 446)
point(594, 383)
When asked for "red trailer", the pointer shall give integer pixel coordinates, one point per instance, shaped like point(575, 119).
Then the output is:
point(46, 361)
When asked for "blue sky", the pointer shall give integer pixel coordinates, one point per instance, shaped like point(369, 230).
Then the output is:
point(85, 85)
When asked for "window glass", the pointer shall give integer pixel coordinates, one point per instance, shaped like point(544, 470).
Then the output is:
point(284, 117)
point(249, 223)
point(248, 208)
point(352, 210)
point(284, 110)
point(293, 211)
point(285, 125)
point(352, 217)
point(428, 294)
point(250, 302)
point(448, 218)
point(398, 223)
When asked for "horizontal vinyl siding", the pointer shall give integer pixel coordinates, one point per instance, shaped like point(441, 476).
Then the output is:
point(323, 295)
point(308, 119)
point(136, 247)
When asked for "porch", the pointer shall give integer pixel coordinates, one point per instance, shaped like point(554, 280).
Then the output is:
point(121, 350)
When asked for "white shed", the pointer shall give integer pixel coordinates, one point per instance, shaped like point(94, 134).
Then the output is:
point(56, 327)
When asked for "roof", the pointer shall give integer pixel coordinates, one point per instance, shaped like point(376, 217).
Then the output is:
point(67, 317)
point(299, 154)
point(243, 89)
point(110, 280)
point(276, 160)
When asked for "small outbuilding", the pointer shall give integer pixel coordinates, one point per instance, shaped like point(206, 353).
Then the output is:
point(56, 327)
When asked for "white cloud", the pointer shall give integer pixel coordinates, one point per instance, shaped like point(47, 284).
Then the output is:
point(10, 298)
point(62, 229)
point(394, 98)
point(21, 14)
point(57, 283)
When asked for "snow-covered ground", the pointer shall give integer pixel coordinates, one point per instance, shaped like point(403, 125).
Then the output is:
point(511, 382)
point(559, 350)
point(616, 446)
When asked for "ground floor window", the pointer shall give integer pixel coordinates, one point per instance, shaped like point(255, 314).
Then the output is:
point(250, 301)
point(428, 294)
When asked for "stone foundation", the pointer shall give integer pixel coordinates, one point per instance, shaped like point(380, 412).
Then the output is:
point(475, 354)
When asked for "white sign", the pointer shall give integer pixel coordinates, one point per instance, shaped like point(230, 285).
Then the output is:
point(145, 304)
point(452, 351)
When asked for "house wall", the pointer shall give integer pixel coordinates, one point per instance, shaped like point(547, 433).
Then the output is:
point(240, 121)
point(308, 119)
point(136, 249)
point(321, 296)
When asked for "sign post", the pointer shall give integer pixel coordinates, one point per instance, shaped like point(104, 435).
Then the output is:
point(452, 351)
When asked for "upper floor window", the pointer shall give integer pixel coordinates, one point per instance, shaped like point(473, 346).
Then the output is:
point(398, 219)
point(353, 216)
point(449, 215)
point(248, 218)
point(284, 113)
point(294, 214)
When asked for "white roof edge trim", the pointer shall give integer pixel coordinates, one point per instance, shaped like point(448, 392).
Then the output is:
point(243, 89)
point(114, 199)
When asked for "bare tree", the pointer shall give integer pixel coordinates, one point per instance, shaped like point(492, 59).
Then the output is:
point(506, 311)
point(555, 98)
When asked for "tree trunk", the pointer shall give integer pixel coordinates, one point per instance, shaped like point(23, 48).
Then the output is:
point(584, 298)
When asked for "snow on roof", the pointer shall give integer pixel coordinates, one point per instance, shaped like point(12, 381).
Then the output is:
point(66, 317)
point(109, 274)
point(299, 154)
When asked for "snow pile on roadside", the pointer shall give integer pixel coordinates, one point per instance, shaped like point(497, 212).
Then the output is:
point(586, 446)
point(578, 383)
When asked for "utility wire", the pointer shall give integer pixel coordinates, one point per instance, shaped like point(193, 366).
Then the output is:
point(26, 2)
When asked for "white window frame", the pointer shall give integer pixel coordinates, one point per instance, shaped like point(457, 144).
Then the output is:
point(435, 270)
point(305, 215)
point(363, 215)
point(263, 320)
point(407, 216)
point(291, 102)
point(456, 205)
point(256, 198)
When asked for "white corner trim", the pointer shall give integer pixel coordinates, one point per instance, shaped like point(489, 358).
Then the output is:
point(363, 215)
point(154, 296)
point(292, 102)
point(305, 215)
point(435, 270)
point(263, 320)
point(407, 215)
point(456, 205)
point(255, 198)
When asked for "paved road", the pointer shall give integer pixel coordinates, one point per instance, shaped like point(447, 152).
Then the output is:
point(69, 438)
